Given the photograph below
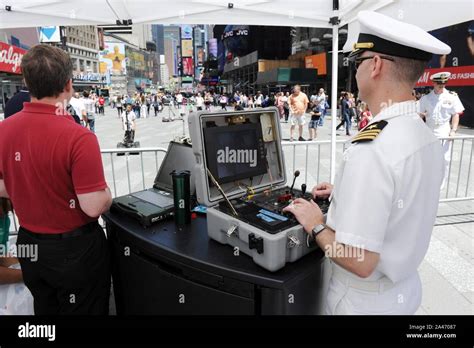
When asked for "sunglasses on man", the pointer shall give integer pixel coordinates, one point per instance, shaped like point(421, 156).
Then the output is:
point(358, 60)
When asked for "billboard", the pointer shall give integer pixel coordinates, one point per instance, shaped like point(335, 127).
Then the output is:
point(188, 66)
point(137, 61)
point(200, 56)
point(212, 48)
point(186, 32)
point(187, 48)
point(316, 61)
point(460, 62)
point(50, 34)
point(460, 76)
point(10, 58)
point(112, 59)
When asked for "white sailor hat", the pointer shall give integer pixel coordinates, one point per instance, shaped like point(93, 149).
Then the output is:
point(442, 77)
point(383, 34)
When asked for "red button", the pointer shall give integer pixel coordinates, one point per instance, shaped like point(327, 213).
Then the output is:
point(193, 216)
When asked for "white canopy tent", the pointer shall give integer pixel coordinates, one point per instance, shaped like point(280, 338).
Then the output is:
point(428, 14)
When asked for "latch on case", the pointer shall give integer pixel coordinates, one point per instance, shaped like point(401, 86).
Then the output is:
point(232, 230)
point(293, 241)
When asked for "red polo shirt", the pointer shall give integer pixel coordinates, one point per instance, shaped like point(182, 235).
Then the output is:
point(46, 160)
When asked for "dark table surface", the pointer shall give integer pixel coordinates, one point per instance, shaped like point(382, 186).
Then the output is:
point(192, 246)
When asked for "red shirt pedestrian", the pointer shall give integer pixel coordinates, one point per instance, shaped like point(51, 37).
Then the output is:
point(45, 161)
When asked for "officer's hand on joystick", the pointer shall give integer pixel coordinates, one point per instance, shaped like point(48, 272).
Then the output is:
point(322, 190)
point(307, 213)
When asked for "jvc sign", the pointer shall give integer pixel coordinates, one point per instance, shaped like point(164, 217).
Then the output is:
point(237, 32)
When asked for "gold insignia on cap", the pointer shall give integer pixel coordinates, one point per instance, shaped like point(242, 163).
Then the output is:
point(370, 132)
point(362, 45)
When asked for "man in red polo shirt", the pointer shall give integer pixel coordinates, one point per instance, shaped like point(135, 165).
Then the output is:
point(51, 169)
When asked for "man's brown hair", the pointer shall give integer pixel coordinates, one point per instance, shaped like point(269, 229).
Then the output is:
point(46, 70)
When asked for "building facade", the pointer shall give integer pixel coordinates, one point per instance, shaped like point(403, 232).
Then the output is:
point(14, 43)
point(82, 44)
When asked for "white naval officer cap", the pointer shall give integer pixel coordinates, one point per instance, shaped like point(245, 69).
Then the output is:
point(442, 77)
point(383, 34)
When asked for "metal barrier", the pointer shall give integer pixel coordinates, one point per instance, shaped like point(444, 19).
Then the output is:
point(458, 184)
point(144, 162)
point(130, 173)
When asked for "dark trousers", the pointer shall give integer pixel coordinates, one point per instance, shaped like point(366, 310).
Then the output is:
point(346, 119)
point(69, 276)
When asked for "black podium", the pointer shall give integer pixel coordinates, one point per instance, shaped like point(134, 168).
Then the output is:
point(162, 270)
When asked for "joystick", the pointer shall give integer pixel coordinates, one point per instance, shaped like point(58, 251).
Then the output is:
point(303, 189)
point(295, 175)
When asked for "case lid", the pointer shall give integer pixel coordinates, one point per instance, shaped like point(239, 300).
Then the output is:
point(241, 149)
point(179, 156)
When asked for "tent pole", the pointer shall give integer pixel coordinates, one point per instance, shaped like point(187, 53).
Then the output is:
point(335, 43)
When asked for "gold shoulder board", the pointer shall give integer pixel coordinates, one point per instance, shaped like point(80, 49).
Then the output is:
point(370, 132)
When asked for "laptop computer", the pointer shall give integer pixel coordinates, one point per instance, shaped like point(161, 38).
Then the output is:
point(155, 204)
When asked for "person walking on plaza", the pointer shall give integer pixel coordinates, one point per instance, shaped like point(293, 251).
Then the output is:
point(179, 100)
point(208, 101)
point(54, 177)
point(223, 102)
point(365, 116)
point(316, 113)
point(77, 104)
point(258, 101)
point(345, 114)
point(148, 103)
point(441, 109)
point(374, 259)
point(245, 101)
point(279, 102)
point(298, 103)
point(321, 99)
point(101, 105)
point(143, 107)
point(119, 105)
point(251, 102)
point(286, 107)
point(89, 105)
point(199, 102)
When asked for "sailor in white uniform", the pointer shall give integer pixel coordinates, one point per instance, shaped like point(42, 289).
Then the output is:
point(441, 108)
point(385, 196)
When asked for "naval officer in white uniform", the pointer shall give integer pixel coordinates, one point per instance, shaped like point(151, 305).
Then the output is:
point(385, 197)
point(441, 108)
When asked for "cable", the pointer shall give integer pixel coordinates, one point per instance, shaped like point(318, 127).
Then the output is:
point(222, 192)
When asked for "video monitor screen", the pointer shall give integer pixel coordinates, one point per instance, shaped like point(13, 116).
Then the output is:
point(235, 152)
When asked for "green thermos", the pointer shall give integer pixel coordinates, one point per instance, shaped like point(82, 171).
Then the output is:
point(182, 196)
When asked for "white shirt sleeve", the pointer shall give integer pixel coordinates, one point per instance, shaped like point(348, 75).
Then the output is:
point(422, 104)
point(457, 105)
point(363, 199)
